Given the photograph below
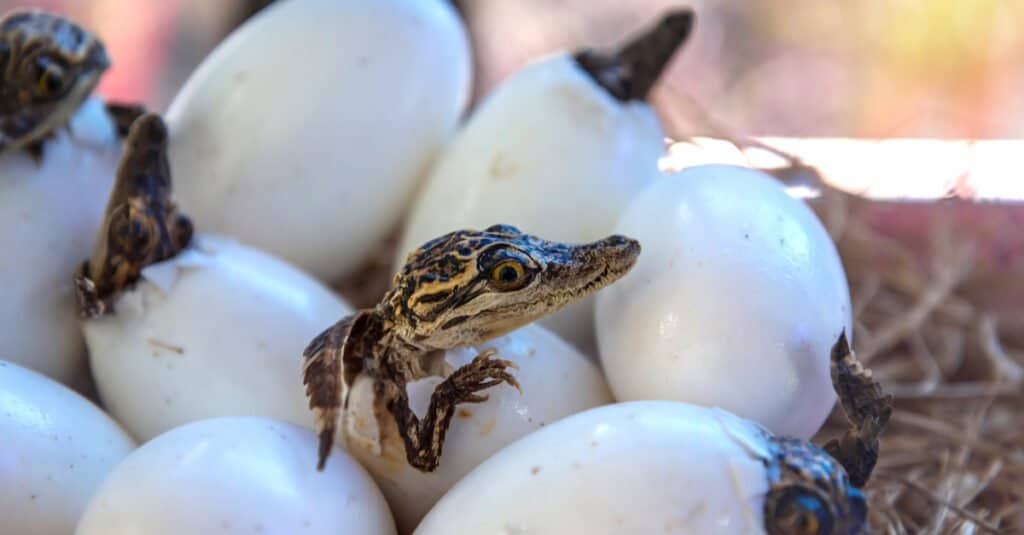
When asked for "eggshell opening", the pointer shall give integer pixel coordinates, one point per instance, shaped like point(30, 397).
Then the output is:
point(218, 330)
point(49, 216)
point(557, 381)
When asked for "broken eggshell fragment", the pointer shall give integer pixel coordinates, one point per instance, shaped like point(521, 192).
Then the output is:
point(49, 214)
point(183, 327)
point(565, 127)
point(306, 131)
point(556, 379)
point(734, 303)
point(215, 331)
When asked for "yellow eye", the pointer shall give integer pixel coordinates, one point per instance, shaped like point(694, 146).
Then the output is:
point(800, 512)
point(508, 275)
point(51, 77)
point(131, 232)
point(807, 523)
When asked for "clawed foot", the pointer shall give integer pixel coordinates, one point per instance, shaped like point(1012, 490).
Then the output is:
point(90, 304)
point(424, 439)
point(867, 408)
point(465, 383)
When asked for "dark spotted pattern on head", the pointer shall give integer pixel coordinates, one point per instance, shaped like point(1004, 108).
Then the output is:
point(142, 224)
point(444, 271)
point(476, 280)
point(457, 290)
point(437, 272)
point(50, 65)
point(810, 493)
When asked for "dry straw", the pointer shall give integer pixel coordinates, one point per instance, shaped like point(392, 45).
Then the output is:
point(952, 459)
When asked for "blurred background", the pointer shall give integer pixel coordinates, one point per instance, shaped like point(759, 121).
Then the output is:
point(857, 68)
point(936, 286)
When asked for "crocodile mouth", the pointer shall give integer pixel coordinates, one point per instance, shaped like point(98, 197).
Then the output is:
point(615, 256)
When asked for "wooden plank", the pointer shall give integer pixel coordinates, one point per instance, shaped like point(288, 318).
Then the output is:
point(904, 169)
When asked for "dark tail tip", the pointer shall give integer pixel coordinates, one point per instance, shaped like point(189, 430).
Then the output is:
point(644, 58)
point(150, 127)
point(324, 450)
point(631, 72)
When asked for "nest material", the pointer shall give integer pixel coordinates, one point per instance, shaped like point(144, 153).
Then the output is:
point(952, 458)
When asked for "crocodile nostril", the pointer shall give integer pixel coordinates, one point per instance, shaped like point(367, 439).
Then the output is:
point(627, 245)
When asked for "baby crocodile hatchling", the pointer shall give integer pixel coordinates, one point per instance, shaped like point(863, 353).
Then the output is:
point(142, 224)
point(50, 66)
point(461, 289)
point(815, 491)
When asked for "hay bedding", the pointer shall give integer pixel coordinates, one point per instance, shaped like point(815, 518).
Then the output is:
point(933, 327)
point(936, 321)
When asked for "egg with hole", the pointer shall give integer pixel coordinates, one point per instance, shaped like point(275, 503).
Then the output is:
point(556, 381)
point(236, 475)
point(56, 449)
point(218, 330)
point(559, 147)
point(735, 301)
point(49, 214)
point(651, 467)
point(305, 132)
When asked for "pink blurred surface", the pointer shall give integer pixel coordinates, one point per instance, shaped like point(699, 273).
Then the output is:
point(794, 68)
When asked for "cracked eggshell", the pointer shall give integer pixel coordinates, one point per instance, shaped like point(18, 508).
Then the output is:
point(306, 131)
point(236, 475)
point(49, 217)
point(216, 331)
point(550, 152)
point(735, 301)
point(557, 381)
point(55, 449)
point(637, 467)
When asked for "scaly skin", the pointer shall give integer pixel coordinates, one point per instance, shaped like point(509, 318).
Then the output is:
point(815, 491)
point(50, 66)
point(461, 289)
point(142, 225)
point(630, 72)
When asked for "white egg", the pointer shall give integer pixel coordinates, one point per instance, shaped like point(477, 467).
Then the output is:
point(306, 131)
point(49, 215)
point(556, 381)
point(55, 449)
point(735, 301)
point(638, 467)
point(216, 331)
point(551, 152)
point(236, 475)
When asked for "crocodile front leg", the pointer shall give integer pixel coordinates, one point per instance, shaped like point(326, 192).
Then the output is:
point(867, 408)
point(424, 438)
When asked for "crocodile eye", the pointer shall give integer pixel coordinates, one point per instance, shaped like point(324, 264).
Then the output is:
point(800, 512)
point(509, 275)
point(131, 233)
point(52, 79)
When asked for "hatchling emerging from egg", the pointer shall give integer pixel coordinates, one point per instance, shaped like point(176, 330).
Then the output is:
point(815, 491)
point(50, 67)
point(461, 289)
